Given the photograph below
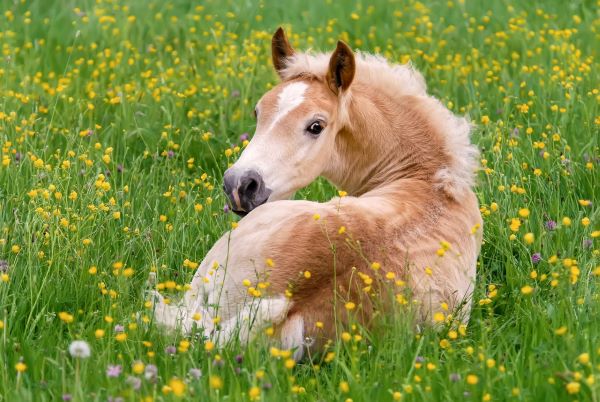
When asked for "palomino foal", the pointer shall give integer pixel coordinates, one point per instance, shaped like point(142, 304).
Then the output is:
point(410, 215)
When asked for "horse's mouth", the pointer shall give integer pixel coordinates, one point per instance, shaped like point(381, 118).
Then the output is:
point(240, 213)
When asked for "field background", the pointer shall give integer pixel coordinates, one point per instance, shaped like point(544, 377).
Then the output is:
point(118, 118)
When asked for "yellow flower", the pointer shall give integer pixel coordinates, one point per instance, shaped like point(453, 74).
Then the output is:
point(566, 221)
point(15, 248)
point(344, 387)
point(289, 364)
point(65, 317)
point(121, 337)
point(523, 212)
point(177, 386)
point(529, 238)
point(526, 290)
point(573, 387)
point(346, 337)
point(584, 358)
point(20, 367)
point(138, 367)
point(585, 221)
point(307, 274)
point(375, 266)
point(215, 382)
point(350, 306)
point(485, 119)
point(254, 393)
point(208, 346)
point(472, 379)
point(561, 331)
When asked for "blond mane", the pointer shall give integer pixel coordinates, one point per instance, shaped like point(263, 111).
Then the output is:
point(396, 81)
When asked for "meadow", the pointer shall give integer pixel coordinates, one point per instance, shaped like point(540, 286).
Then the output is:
point(118, 119)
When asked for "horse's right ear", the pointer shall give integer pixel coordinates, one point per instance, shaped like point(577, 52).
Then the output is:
point(280, 50)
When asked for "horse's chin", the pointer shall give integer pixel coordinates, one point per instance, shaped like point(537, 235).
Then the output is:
point(272, 197)
point(241, 214)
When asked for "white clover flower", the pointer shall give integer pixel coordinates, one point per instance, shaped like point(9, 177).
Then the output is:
point(80, 349)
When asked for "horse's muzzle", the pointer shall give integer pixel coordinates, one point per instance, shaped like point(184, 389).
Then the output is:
point(245, 190)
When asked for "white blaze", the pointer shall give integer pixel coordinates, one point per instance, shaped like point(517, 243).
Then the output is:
point(289, 98)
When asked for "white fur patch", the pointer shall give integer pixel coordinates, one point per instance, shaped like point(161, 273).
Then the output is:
point(292, 335)
point(289, 98)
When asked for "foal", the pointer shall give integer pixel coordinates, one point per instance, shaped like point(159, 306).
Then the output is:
point(407, 212)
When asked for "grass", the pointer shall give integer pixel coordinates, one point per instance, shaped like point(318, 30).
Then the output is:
point(117, 120)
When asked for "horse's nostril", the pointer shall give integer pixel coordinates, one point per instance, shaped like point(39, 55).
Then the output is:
point(251, 187)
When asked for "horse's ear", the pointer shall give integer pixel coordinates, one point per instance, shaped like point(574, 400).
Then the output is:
point(341, 68)
point(280, 50)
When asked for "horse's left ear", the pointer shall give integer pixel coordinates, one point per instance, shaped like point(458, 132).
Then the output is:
point(341, 68)
point(280, 50)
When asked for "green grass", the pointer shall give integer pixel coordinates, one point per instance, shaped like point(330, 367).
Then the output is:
point(165, 95)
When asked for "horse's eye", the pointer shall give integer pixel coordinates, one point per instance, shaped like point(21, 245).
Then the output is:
point(255, 112)
point(315, 128)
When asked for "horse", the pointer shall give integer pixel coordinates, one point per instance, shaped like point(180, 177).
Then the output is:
point(406, 212)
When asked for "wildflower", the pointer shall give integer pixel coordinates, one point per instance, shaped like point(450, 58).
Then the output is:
point(99, 333)
point(573, 387)
point(150, 372)
point(350, 306)
point(523, 212)
point(344, 387)
point(585, 221)
point(536, 258)
point(566, 221)
point(67, 397)
point(254, 393)
point(526, 290)
point(195, 373)
point(113, 371)
point(215, 382)
point(20, 367)
point(134, 382)
point(529, 238)
point(65, 317)
point(137, 367)
point(550, 225)
point(472, 379)
point(170, 350)
point(177, 386)
point(80, 349)
point(561, 331)
point(584, 358)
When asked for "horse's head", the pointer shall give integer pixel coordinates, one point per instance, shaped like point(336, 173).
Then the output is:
point(296, 125)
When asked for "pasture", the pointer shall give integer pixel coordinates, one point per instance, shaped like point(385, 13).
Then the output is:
point(118, 119)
